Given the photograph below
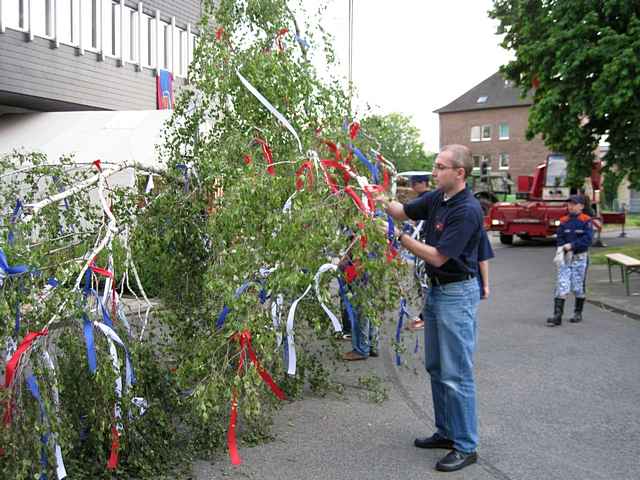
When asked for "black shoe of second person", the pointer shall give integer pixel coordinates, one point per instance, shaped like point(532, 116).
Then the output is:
point(434, 441)
point(456, 460)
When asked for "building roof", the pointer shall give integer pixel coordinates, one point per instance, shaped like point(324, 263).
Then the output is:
point(494, 92)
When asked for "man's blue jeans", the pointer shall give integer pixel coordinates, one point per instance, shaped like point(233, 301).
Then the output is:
point(450, 339)
point(364, 336)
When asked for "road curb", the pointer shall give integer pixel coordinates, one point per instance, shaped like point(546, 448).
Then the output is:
point(613, 309)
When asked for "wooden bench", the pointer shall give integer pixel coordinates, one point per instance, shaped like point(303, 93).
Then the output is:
point(627, 265)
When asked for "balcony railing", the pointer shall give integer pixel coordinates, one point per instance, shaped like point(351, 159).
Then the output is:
point(108, 28)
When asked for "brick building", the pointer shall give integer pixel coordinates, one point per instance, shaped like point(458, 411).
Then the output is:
point(491, 119)
point(65, 55)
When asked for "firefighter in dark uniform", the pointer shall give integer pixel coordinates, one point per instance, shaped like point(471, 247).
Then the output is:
point(574, 237)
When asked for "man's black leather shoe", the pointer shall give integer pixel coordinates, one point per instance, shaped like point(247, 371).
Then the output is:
point(456, 460)
point(434, 441)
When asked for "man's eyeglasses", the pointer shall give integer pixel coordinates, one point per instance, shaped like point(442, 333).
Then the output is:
point(437, 166)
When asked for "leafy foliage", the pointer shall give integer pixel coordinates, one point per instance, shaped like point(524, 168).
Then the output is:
point(215, 223)
point(582, 57)
point(399, 140)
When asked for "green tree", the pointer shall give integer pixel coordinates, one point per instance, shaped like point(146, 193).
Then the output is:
point(582, 57)
point(399, 141)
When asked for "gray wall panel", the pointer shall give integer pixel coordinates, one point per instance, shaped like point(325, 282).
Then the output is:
point(37, 69)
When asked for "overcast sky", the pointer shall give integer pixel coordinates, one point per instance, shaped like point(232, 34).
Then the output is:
point(414, 56)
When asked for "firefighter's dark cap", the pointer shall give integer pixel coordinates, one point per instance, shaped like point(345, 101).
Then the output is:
point(577, 199)
point(419, 178)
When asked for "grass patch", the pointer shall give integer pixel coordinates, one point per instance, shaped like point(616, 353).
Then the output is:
point(633, 250)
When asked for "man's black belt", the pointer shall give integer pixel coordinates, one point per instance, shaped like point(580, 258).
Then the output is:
point(434, 280)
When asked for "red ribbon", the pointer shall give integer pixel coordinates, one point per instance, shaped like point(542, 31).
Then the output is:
point(219, 33)
point(244, 338)
point(112, 464)
point(231, 433)
point(354, 129)
point(281, 33)
point(98, 165)
point(247, 159)
point(267, 154)
point(357, 200)
point(343, 167)
point(391, 251)
point(12, 366)
point(308, 166)
point(350, 273)
point(334, 149)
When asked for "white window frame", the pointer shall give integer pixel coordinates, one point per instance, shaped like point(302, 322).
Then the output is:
point(111, 29)
point(479, 158)
point(478, 130)
point(482, 137)
point(25, 16)
point(500, 137)
point(502, 156)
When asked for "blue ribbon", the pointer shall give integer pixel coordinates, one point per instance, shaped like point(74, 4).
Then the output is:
point(185, 172)
point(8, 270)
point(32, 384)
point(106, 318)
point(17, 211)
point(375, 173)
point(239, 291)
point(347, 304)
point(87, 328)
point(403, 312)
point(303, 43)
point(391, 232)
point(222, 317)
point(16, 327)
point(417, 347)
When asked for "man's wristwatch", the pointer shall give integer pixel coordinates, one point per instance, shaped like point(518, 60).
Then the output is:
point(399, 237)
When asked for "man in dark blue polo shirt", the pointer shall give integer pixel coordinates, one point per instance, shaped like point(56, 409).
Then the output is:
point(453, 231)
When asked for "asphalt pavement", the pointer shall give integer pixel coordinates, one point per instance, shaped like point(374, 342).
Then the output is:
point(554, 403)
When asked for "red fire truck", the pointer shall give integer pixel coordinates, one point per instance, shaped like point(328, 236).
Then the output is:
point(543, 202)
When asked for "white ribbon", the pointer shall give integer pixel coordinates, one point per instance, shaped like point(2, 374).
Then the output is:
point(61, 471)
point(325, 268)
point(289, 204)
point(150, 184)
point(291, 370)
point(276, 317)
point(270, 107)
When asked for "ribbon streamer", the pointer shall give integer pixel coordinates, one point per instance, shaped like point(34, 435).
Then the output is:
point(270, 107)
point(291, 367)
point(326, 268)
point(403, 313)
point(244, 338)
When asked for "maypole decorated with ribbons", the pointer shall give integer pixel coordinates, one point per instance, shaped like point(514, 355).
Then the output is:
point(240, 238)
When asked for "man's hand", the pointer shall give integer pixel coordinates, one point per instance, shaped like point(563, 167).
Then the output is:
point(485, 292)
point(567, 247)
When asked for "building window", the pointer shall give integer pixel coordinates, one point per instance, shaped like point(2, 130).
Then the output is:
point(89, 20)
point(133, 35)
point(475, 133)
point(15, 14)
point(476, 161)
point(503, 131)
point(503, 161)
point(167, 46)
point(68, 21)
point(111, 28)
point(482, 99)
point(149, 41)
point(177, 52)
point(486, 133)
point(41, 17)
